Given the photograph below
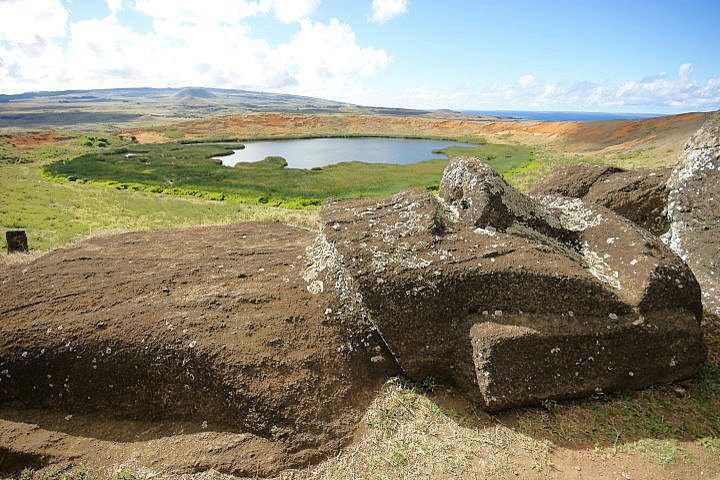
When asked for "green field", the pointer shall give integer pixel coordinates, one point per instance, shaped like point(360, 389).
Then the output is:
point(173, 186)
point(58, 213)
point(189, 170)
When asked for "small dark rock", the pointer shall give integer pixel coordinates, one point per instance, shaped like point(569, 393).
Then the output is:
point(16, 241)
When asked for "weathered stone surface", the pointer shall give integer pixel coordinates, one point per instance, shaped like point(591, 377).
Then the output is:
point(694, 209)
point(574, 180)
point(639, 195)
point(209, 326)
point(267, 342)
point(16, 241)
point(514, 299)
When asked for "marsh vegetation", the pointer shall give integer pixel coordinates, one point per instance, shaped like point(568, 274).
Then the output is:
point(190, 170)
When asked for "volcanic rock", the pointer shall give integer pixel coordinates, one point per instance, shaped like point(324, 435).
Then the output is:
point(211, 326)
point(693, 210)
point(257, 347)
point(514, 299)
point(16, 241)
point(639, 195)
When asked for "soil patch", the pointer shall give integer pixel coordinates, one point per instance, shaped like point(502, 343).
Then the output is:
point(28, 141)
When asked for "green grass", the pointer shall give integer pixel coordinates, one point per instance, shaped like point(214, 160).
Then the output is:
point(503, 158)
point(653, 422)
point(664, 452)
point(188, 170)
point(710, 443)
point(58, 213)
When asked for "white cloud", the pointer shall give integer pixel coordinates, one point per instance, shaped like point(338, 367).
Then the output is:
point(384, 10)
point(685, 71)
point(181, 12)
point(656, 93)
point(324, 59)
point(114, 5)
point(550, 89)
point(328, 54)
point(526, 81)
point(291, 10)
point(23, 21)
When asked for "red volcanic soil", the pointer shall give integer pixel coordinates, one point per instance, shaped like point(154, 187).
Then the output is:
point(666, 134)
point(605, 133)
point(27, 141)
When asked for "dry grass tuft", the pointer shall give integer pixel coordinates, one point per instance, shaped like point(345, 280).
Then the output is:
point(412, 434)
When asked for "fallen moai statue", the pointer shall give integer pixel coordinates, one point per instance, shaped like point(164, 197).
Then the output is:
point(693, 209)
point(678, 204)
point(276, 338)
point(638, 195)
point(212, 329)
point(514, 299)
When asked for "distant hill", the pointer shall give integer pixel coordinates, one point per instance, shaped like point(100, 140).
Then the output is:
point(105, 109)
point(195, 93)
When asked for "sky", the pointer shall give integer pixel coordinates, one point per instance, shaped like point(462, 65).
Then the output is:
point(640, 56)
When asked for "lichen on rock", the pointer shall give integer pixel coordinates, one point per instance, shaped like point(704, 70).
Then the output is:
point(484, 247)
point(692, 209)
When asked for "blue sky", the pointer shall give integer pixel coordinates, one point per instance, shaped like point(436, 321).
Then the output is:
point(633, 56)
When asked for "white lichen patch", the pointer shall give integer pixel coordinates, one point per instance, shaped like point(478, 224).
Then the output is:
point(325, 269)
point(450, 212)
point(674, 238)
point(326, 262)
point(316, 287)
point(455, 173)
point(573, 214)
point(412, 221)
point(381, 260)
point(696, 161)
point(489, 231)
point(598, 268)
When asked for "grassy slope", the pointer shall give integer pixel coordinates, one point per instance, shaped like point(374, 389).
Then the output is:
point(55, 213)
point(187, 170)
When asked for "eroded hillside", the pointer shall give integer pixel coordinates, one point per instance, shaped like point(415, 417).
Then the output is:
point(661, 137)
